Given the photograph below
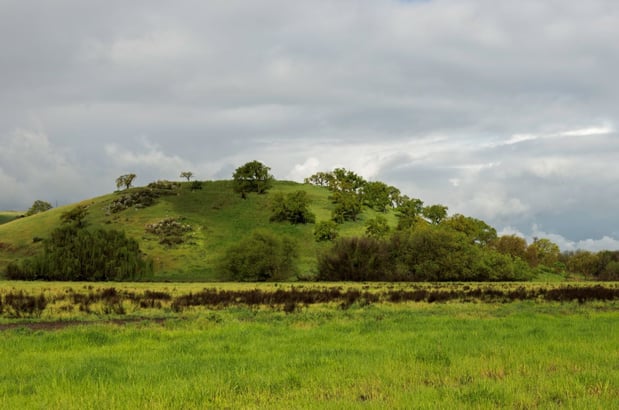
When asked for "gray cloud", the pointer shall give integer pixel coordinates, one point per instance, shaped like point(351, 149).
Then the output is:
point(480, 105)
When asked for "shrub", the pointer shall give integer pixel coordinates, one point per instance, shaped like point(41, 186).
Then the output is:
point(165, 185)
point(293, 207)
point(169, 230)
point(377, 228)
point(355, 259)
point(325, 231)
point(78, 254)
point(263, 256)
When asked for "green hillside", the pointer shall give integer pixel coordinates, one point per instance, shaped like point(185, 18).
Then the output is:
point(8, 216)
point(218, 217)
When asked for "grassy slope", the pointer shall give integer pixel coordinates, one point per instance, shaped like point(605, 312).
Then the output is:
point(8, 216)
point(219, 218)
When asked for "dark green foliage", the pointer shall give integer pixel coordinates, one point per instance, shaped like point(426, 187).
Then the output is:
point(293, 208)
point(77, 254)
point(347, 206)
point(325, 231)
point(171, 231)
point(408, 212)
point(608, 265)
point(476, 230)
point(252, 177)
point(75, 217)
point(432, 254)
point(355, 259)
point(377, 228)
point(195, 185)
point(427, 253)
point(165, 185)
point(187, 175)
point(262, 256)
point(38, 206)
point(125, 180)
point(379, 196)
point(435, 214)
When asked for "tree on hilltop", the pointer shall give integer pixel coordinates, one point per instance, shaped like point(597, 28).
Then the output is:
point(39, 206)
point(187, 175)
point(252, 177)
point(125, 180)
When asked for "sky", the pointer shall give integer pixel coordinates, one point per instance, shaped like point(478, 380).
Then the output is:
point(501, 110)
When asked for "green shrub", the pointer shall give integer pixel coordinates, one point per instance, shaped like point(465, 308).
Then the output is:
point(262, 256)
point(293, 207)
point(77, 254)
point(355, 259)
point(171, 231)
point(325, 231)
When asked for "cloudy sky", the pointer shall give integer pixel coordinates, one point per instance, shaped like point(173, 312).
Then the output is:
point(502, 110)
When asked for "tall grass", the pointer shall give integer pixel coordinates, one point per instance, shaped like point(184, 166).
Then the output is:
point(519, 355)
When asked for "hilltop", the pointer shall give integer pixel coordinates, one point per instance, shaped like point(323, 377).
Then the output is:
point(217, 216)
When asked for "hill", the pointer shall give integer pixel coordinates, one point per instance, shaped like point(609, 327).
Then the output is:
point(8, 216)
point(218, 218)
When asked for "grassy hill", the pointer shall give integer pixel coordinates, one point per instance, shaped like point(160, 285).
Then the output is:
point(218, 218)
point(8, 216)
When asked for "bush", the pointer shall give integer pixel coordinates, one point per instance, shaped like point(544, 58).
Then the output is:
point(77, 254)
point(263, 256)
point(377, 228)
point(169, 230)
point(293, 207)
point(355, 259)
point(325, 231)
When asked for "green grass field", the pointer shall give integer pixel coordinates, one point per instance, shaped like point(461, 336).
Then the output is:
point(525, 355)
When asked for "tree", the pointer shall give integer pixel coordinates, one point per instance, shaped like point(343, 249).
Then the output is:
point(435, 213)
point(511, 245)
point(252, 177)
point(186, 174)
point(476, 230)
point(583, 262)
point(355, 259)
point(293, 207)
point(347, 206)
point(39, 206)
point(79, 254)
point(543, 251)
point(125, 180)
point(262, 256)
point(408, 212)
point(377, 227)
point(378, 195)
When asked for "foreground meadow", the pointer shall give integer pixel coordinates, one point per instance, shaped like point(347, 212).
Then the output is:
point(340, 353)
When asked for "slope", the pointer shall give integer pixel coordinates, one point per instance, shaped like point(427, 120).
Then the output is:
point(218, 218)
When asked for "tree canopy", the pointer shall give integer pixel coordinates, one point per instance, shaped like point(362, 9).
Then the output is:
point(125, 181)
point(254, 176)
point(39, 206)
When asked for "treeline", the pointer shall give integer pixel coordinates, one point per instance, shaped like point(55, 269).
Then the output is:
point(425, 245)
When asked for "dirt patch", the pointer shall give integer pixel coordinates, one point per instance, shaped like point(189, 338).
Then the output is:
point(61, 324)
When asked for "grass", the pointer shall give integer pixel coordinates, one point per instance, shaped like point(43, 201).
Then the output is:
point(8, 216)
point(218, 216)
point(414, 355)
